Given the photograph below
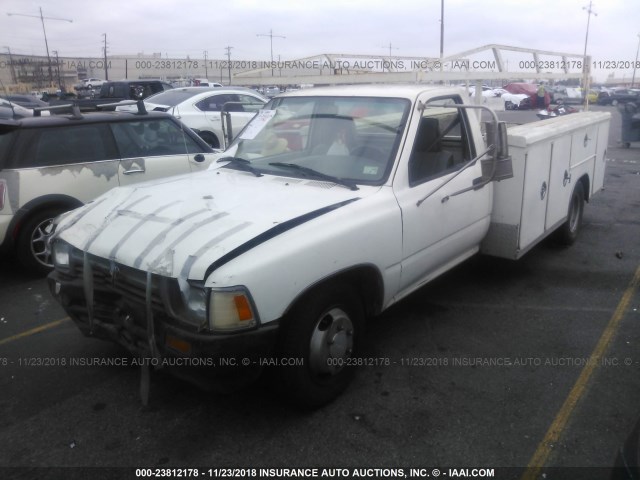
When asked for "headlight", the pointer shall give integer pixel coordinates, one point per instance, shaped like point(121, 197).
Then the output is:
point(230, 310)
point(61, 251)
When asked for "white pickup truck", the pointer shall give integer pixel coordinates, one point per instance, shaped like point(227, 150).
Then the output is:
point(330, 206)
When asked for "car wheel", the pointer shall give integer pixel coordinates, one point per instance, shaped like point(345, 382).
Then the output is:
point(568, 232)
point(210, 138)
point(614, 102)
point(321, 334)
point(31, 247)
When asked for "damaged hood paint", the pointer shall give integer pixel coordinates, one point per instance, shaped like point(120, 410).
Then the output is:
point(178, 227)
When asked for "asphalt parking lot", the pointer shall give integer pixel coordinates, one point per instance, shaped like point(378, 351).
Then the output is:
point(496, 365)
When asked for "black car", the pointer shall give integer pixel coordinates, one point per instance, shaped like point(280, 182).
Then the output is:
point(617, 96)
point(114, 92)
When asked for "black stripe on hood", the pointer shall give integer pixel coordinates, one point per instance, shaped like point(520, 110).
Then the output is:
point(273, 232)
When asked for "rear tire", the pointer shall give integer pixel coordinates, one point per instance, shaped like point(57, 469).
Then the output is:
point(323, 332)
point(31, 248)
point(568, 232)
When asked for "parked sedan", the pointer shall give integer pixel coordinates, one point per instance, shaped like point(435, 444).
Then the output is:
point(93, 82)
point(618, 96)
point(199, 108)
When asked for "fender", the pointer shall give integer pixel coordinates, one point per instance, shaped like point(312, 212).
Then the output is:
point(45, 201)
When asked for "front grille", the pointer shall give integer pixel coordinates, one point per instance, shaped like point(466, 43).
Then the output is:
point(126, 282)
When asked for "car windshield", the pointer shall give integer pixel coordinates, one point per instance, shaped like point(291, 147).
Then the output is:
point(353, 139)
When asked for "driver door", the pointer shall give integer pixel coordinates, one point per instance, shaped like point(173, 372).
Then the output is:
point(439, 228)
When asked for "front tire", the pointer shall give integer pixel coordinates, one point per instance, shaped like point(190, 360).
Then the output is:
point(568, 232)
point(322, 333)
point(31, 248)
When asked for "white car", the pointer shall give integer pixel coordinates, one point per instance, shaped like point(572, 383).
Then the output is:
point(93, 82)
point(200, 108)
point(50, 165)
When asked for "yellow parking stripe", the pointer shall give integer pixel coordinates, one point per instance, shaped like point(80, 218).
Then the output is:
point(550, 440)
point(34, 330)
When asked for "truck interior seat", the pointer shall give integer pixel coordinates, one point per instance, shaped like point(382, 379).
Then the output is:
point(428, 159)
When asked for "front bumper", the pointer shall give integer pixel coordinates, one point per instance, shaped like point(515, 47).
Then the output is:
point(148, 325)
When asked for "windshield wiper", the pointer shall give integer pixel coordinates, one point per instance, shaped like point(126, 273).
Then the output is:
point(314, 173)
point(240, 164)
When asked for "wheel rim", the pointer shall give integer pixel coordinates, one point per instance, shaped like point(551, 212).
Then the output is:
point(331, 343)
point(38, 244)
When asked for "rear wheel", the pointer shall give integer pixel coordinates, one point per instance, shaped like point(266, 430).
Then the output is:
point(321, 336)
point(568, 232)
point(31, 247)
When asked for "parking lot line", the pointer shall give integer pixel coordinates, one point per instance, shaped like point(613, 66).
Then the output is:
point(34, 330)
point(546, 446)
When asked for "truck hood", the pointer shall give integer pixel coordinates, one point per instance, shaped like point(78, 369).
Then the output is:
point(180, 226)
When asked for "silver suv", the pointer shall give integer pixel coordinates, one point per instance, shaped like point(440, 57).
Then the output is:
point(49, 165)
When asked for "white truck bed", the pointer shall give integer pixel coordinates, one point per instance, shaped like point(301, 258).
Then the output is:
point(549, 156)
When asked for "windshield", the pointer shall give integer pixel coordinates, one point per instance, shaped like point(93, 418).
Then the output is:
point(354, 139)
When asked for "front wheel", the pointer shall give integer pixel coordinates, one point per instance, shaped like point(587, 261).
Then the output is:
point(31, 248)
point(318, 345)
point(568, 232)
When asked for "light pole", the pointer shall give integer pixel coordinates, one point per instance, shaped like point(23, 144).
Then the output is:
point(106, 71)
point(46, 43)
point(585, 80)
point(441, 32)
point(390, 47)
point(13, 71)
point(228, 49)
point(55, 52)
point(633, 79)
point(270, 35)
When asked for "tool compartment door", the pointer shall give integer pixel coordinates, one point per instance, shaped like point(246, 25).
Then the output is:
point(560, 186)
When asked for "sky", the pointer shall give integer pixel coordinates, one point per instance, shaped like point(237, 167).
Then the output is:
point(181, 28)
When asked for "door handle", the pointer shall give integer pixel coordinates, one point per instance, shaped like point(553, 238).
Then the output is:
point(134, 170)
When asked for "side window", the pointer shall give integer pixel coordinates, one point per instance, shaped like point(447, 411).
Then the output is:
point(250, 104)
point(442, 142)
point(214, 103)
point(47, 147)
point(6, 139)
point(153, 138)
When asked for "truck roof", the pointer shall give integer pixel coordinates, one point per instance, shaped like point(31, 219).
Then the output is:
point(408, 91)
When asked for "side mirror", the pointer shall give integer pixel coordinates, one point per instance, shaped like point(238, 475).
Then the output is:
point(500, 166)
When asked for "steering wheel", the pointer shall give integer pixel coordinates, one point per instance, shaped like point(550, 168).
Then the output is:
point(369, 152)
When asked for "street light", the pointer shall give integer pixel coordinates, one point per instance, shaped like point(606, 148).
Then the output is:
point(633, 79)
point(270, 35)
point(585, 80)
point(46, 44)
